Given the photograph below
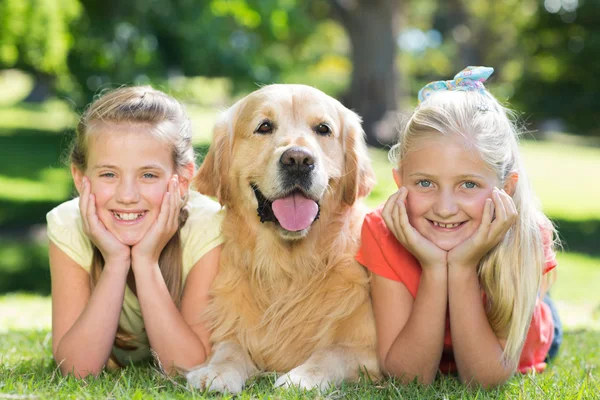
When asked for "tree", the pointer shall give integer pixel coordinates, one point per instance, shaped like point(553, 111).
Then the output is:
point(372, 28)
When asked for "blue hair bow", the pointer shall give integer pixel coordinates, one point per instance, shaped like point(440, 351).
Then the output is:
point(470, 78)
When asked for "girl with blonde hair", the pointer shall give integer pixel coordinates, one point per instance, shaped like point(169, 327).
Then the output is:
point(461, 251)
point(133, 256)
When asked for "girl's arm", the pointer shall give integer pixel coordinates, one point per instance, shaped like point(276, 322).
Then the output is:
point(410, 333)
point(477, 350)
point(84, 323)
point(179, 337)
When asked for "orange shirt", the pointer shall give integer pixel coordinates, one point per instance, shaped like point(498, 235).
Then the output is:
point(381, 253)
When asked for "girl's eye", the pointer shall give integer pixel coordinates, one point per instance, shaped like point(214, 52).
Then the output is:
point(148, 175)
point(323, 129)
point(424, 183)
point(107, 175)
point(470, 185)
point(264, 128)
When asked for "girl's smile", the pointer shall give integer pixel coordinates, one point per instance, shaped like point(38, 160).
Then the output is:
point(447, 227)
point(129, 217)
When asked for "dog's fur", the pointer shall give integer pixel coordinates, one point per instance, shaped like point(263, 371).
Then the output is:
point(291, 302)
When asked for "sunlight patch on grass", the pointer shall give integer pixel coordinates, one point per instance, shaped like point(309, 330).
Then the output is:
point(385, 183)
point(578, 277)
point(54, 184)
point(203, 118)
point(576, 290)
point(25, 312)
point(564, 177)
point(53, 115)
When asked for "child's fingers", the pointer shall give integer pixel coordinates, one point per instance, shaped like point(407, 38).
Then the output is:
point(402, 217)
point(510, 209)
point(388, 208)
point(509, 204)
point(398, 231)
point(163, 215)
point(503, 219)
point(92, 218)
point(173, 212)
point(177, 203)
point(389, 204)
point(172, 199)
point(83, 205)
point(500, 209)
point(488, 213)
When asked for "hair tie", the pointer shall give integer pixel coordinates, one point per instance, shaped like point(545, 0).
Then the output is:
point(469, 79)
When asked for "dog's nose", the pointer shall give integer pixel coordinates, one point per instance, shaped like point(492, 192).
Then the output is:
point(297, 159)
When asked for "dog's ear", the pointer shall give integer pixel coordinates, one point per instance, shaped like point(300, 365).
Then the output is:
point(358, 178)
point(212, 178)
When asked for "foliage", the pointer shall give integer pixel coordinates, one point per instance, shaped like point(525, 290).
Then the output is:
point(441, 38)
point(544, 51)
point(36, 35)
point(561, 69)
point(250, 41)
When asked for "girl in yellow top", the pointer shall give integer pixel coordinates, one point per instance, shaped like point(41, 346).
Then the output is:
point(133, 257)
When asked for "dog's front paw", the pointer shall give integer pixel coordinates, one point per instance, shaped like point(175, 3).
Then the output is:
point(216, 379)
point(304, 377)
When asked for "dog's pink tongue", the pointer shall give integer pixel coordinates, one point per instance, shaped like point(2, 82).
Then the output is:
point(295, 212)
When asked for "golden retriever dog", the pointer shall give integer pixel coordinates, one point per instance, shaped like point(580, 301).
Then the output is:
point(290, 165)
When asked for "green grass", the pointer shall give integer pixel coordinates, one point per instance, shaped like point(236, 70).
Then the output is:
point(27, 370)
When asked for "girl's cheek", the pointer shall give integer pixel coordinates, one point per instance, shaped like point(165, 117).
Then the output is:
point(413, 206)
point(99, 190)
point(157, 193)
point(477, 204)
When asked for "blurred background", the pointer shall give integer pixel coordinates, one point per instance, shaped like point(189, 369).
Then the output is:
point(373, 55)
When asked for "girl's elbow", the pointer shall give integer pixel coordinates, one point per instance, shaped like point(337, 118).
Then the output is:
point(484, 381)
point(174, 367)
point(406, 376)
point(79, 371)
point(80, 368)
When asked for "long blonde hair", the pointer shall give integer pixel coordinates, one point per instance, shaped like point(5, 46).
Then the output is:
point(511, 273)
point(167, 121)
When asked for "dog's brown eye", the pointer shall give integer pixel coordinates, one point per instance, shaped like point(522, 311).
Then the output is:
point(323, 129)
point(264, 128)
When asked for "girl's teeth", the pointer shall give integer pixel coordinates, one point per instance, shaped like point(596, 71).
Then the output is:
point(446, 225)
point(128, 216)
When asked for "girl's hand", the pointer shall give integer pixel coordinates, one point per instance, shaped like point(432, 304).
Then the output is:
point(491, 231)
point(396, 218)
point(111, 248)
point(163, 228)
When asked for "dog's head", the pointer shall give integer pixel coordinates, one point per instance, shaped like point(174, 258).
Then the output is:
point(284, 151)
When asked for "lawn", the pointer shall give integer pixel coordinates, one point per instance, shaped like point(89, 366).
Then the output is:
point(33, 180)
point(27, 370)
